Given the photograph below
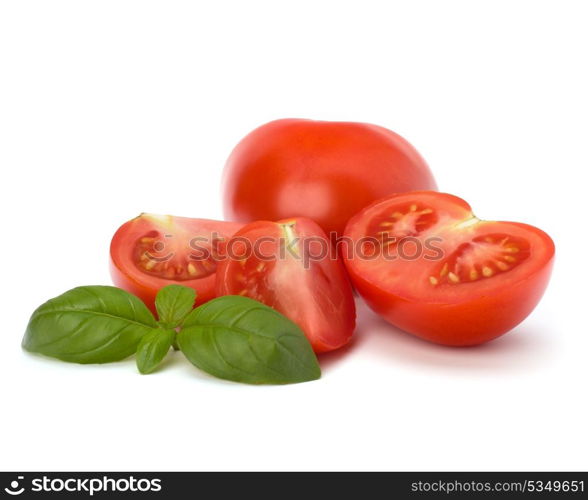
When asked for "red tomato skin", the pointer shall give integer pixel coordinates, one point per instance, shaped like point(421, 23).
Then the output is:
point(463, 324)
point(323, 336)
point(125, 276)
point(326, 171)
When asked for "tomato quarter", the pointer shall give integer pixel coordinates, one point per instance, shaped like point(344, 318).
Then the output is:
point(326, 171)
point(152, 251)
point(429, 266)
point(289, 266)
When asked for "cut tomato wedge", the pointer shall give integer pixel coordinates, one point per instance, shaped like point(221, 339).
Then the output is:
point(429, 266)
point(152, 251)
point(289, 265)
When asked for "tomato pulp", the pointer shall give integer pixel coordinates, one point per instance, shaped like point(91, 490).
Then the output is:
point(426, 264)
point(289, 265)
point(326, 171)
point(152, 251)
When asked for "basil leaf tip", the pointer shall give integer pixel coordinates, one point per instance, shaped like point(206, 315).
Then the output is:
point(89, 324)
point(153, 348)
point(173, 303)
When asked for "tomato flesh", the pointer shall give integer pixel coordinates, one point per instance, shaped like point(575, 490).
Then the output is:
point(313, 292)
point(152, 251)
point(326, 171)
point(437, 271)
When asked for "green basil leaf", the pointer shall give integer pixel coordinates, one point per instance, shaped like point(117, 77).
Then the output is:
point(240, 339)
point(153, 348)
point(173, 303)
point(89, 324)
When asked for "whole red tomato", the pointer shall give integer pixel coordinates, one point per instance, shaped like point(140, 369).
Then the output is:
point(326, 171)
point(429, 266)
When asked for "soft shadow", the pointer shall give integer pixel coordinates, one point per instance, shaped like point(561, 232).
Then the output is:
point(328, 360)
point(519, 350)
point(50, 361)
point(176, 361)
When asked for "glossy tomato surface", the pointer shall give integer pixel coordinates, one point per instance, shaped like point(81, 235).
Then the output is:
point(289, 265)
point(326, 171)
point(152, 251)
point(429, 266)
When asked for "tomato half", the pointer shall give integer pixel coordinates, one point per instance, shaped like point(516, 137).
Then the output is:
point(429, 266)
point(289, 265)
point(326, 171)
point(152, 251)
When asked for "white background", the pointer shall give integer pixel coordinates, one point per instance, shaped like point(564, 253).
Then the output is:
point(111, 108)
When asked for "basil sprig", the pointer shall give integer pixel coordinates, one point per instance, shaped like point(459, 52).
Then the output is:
point(231, 337)
point(153, 347)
